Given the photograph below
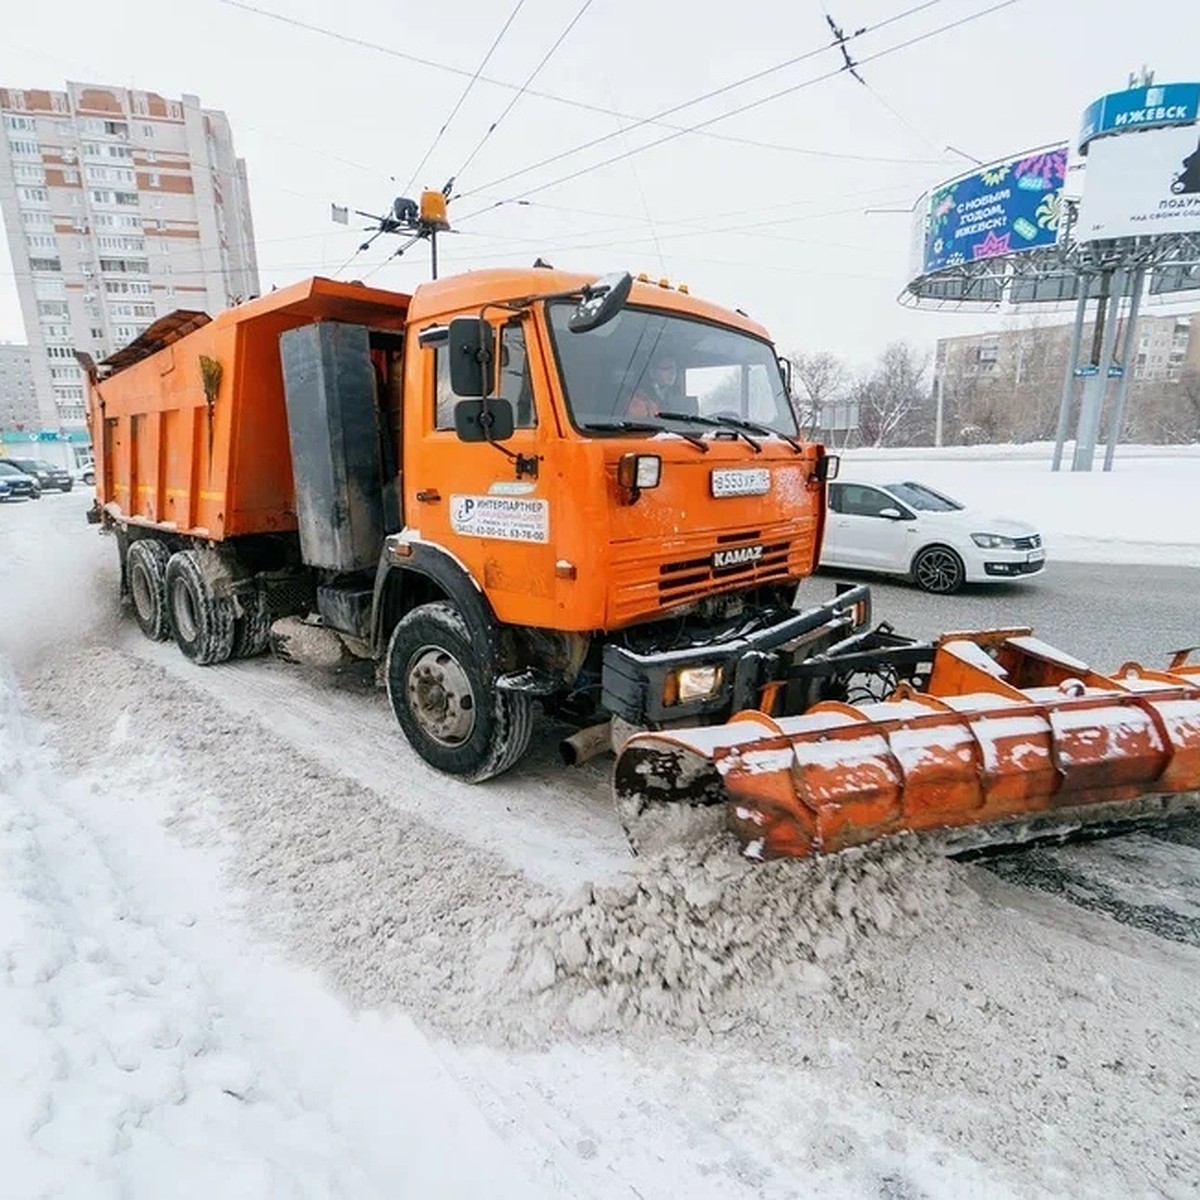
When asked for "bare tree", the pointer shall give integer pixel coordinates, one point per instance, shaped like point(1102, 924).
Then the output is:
point(894, 400)
point(822, 377)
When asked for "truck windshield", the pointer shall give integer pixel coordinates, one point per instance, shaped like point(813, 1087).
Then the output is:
point(649, 368)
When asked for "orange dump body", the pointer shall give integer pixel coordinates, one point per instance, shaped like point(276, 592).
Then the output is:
point(1011, 737)
point(198, 449)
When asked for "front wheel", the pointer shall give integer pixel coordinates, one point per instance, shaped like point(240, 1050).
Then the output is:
point(446, 700)
point(939, 570)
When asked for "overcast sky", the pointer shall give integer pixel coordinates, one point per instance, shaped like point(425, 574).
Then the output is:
point(779, 228)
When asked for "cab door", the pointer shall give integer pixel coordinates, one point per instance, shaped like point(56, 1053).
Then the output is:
point(488, 505)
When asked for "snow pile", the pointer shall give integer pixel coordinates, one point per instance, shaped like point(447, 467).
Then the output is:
point(1134, 514)
point(685, 938)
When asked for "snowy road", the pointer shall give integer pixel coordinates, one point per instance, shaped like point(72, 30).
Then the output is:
point(250, 946)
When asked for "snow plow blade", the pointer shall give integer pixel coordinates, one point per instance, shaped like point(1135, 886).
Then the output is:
point(1009, 741)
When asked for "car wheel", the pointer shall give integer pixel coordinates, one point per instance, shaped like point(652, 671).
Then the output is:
point(939, 570)
point(252, 629)
point(446, 701)
point(201, 621)
point(67, 487)
point(89, 477)
point(146, 571)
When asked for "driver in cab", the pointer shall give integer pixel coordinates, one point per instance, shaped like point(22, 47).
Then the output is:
point(655, 393)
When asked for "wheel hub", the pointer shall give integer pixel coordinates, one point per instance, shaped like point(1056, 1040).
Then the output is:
point(937, 571)
point(440, 696)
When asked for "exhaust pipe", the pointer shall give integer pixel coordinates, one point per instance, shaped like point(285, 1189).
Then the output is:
point(585, 744)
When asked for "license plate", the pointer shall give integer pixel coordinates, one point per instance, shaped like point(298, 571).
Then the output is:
point(733, 481)
point(1035, 556)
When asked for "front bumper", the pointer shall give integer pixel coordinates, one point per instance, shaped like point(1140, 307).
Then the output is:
point(1015, 564)
point(634, 685)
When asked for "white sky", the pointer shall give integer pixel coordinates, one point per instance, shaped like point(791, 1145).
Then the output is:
point(779, 233)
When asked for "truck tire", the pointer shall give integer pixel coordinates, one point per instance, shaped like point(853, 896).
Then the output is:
point(146, 572)
point(201, 621)
point(446, 700)
point(252, 630)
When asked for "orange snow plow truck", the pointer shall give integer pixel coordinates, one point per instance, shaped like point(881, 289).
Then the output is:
point(524, 489)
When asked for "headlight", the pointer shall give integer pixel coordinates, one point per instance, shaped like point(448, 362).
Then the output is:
point(692, 683)
point(993, 541)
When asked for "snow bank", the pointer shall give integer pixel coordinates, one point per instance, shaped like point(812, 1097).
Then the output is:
point(1137, 513)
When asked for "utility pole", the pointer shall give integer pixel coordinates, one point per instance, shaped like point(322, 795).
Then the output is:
point(1096, 385)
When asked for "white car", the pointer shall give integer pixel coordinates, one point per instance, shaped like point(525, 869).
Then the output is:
point(910, 529)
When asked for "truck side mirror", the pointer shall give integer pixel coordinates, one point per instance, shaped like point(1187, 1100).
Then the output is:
point(601, 302)
point(472, 349)
point(483, 420)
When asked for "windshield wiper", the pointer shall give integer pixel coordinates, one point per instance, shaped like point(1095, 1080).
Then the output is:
point(754, 427)
point(642, 427)
point(715, 423)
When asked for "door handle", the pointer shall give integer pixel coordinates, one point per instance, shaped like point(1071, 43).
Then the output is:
point(429, 496)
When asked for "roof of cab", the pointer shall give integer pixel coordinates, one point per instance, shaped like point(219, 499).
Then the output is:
point(471, 289)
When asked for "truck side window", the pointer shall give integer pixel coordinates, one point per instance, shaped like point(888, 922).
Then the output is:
point(516, 385)
point(444, 398)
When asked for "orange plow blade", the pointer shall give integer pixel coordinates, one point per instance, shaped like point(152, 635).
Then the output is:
point(1009, 741)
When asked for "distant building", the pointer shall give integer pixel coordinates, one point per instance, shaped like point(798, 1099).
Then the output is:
point(120, 207)
point(1164, 349)
point(1007, 384)
point(18, 397)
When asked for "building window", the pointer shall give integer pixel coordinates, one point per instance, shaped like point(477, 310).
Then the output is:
point(151, 156)
point(60, 352)
point(33, 195)
point(127, 198)
point(28, 173)
point(35, 219)
point(154, 179)
point(116, 129)
point(45, 264)
point(58, 102)
point(51, 308)
point(148, 131)
point(19, 124)
point(97, 333)
point(24, 148)
point(42, 241)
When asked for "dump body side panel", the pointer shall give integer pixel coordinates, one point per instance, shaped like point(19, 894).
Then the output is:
point(193, 437)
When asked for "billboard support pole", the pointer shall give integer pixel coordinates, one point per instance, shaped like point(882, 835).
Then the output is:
point(1068, 387)
point(1118, 415)
point(939, 392)
point(1096, 386)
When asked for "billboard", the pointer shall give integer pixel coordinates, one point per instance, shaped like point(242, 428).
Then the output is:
point(1002, 208)
point(1140, 108)
point(1146, 183)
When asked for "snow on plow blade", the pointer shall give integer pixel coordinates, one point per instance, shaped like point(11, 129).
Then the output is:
point(1009, 741)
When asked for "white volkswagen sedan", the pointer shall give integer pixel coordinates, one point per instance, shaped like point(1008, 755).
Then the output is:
point(909, 529)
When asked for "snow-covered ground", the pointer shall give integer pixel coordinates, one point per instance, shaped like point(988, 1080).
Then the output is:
point(1140, 512)
point(251, 947)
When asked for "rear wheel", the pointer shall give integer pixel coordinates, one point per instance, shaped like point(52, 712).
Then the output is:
point(146, 572)
point(252, 630)
point(939, 570)
point(446, 700)
point(201, 620)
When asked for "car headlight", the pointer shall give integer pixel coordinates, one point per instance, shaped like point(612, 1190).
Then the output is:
point(692, 683)
point(993, 541)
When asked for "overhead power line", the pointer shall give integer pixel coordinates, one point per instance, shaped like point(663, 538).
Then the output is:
point(551, 97)
point(753, 104)
point(512, 16)
point(744, 81)
point(562, 37)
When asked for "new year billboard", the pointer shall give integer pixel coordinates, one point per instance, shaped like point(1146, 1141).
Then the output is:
point(1142, 183)
point(1003, 208)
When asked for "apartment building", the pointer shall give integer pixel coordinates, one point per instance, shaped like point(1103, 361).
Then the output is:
point(18, 399)
point(120, 206)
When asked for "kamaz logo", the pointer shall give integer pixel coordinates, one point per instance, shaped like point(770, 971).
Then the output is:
point(741, 556)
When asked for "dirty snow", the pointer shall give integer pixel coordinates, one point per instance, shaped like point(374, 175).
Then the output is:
point(249, 948)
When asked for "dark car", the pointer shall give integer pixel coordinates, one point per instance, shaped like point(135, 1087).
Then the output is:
point(20, 485)
point(47, 475)
point(5, 490)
